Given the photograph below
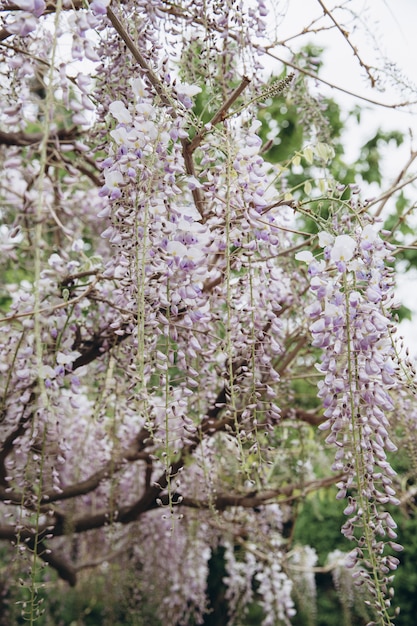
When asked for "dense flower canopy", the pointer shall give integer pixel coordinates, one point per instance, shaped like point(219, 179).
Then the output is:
point(159, 302)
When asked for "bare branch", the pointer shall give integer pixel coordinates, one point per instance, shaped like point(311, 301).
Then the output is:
point(398, 184)
point(254, 499)
point(346, 37)
point(26, 139)
point(190, 169)
point(60, 565)
point(309, 417)
point(49, 309)
point(219, 116)
point(7, 445)
point(138, 56)
point(398, 105)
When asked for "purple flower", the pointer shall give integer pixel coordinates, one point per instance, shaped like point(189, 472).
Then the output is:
point(35, 7)
point(350, 326)
point(99, 7)
point(24, 24)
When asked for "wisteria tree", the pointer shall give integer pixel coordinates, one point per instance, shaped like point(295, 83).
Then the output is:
point(171, 305)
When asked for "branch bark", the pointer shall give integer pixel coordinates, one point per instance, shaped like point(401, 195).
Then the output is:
point(27, 139)
point(224, 501)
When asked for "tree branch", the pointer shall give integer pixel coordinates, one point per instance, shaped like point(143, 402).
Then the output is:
point(183, 15)
point(219, 116)
point(396, 185)
point(49, 309)
point(153, 78)
point(27, 139)
point(254, 499)
point(302, 70)
point(61, 566)
point(345, 34)
point(7, 445)
point(302, 415)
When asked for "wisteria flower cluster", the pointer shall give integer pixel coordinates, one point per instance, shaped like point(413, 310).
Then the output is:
point(351, 325)
point(249, 577)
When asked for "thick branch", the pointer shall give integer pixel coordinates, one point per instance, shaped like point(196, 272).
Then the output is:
point(254, 499)
point(28, 139)
point(134, 452)
point(8, 444)
point(290, 356)
point(148, 502)
point(61, 566)
point(310, 417)
point(96, 348)
point(190, 169)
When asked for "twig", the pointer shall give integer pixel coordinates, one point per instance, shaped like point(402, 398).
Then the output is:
point(190, 169)
point(389, 193)
point(92, 482)
point(314, 419)
point(346, 37)
point(153, 78)
point(275, 89)
point(68, 280)
point(82, 169)
point(49, 309)
point(253, 499)
point(290, 356)
point(394, 187)
point(333, 86)
point(220, 115)
point(267, 51)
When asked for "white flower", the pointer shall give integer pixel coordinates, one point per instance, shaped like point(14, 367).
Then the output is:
point(138, 88)
point(23, 25)
point(176, 249)
point(119, 111)
point(113, 178)
point(325, 239)
point(368, 236)
point(147, 112)
point(99, 7)
point(304, 255)
point(47, 371)
point(193, 183)
point(343, 249)
point(120, 135)
point(78, 245)
point(369, 233)
point(65, 359)
point(55, 260)
point(37, 7)
point(187, 90)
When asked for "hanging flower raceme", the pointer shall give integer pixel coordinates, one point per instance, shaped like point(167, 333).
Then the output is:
point(254, 572)
point(350, 323)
